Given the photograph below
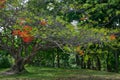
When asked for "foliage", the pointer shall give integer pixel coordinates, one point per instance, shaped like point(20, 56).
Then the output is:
point(4, 60)
point(61, 32)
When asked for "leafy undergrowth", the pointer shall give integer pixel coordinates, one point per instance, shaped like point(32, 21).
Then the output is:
point(38, 73)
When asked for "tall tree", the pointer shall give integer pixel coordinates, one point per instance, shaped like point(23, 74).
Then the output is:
point(29, 27)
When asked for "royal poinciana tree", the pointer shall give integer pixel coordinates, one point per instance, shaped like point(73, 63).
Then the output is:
point(26, 28)
point(23, 33)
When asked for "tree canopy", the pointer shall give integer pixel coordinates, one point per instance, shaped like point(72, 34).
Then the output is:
point(27, 26)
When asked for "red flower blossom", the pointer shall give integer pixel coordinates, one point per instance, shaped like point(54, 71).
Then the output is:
point(27, 28)
point(27, 39)
point(2, 3)
point(112, 37)
point(43, 22)
point(16, 32)
point(24, 34)
point(81, 52)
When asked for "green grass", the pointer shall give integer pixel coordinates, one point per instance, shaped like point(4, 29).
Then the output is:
point(38, 73)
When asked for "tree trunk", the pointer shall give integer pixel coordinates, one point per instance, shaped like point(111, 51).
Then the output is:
point(85, 65)
point(77, 60)
point(89, 64)
point(116, 62)
point(58, 60)
point(98, 65)
point(82, 62)
point(17, 68)
point(53, 59)
point(108, 65)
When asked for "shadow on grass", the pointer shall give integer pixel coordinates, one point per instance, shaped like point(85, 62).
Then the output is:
point(38, 73)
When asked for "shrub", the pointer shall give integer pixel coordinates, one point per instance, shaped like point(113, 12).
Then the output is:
point(4, 62)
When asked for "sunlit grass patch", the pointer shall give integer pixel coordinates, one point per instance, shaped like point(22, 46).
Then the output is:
point(41, 73)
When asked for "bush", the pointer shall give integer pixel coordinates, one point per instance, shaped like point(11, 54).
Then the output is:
point(4, 62)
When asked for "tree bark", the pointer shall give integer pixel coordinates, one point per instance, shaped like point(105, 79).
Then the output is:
point(116, 62)
point(98, 65)
point(89, 64)
point(58, 60)
point(77, 60)
point(53, 59)
point(17, 68)
point(82, 62)
point(108, 65)
point(19, 65)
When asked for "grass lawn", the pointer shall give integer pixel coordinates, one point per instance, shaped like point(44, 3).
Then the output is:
point(38, 73)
